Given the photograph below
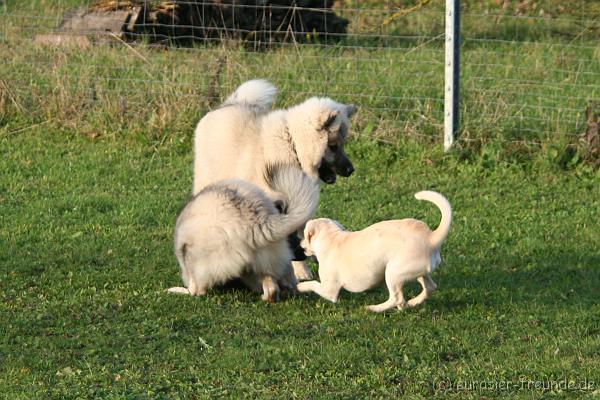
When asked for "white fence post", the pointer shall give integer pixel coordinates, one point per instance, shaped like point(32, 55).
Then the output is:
point(452, 75)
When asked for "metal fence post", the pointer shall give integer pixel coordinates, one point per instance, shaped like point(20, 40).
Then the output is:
point(452, 73)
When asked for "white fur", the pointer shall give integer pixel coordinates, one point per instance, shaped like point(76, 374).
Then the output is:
point(237, 142)
point(256, 93)
point(392, 251)
point(240, 139)
point(231, 229)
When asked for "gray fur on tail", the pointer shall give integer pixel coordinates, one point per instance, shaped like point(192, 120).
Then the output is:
point(301, 197)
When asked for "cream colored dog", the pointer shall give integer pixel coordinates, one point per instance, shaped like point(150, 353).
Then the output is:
point(392, 251)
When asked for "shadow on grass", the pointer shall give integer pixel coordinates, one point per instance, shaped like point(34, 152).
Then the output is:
point(553, 278)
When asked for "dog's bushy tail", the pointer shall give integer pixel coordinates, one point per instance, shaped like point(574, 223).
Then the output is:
point(257, 93)
point(439, 235)
point(301, 197)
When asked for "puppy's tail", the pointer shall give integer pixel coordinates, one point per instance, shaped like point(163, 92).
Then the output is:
point(257, 93)
point(300, 198)
point(439, 235)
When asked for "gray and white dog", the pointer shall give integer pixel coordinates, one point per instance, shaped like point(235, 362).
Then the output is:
point(231, 229)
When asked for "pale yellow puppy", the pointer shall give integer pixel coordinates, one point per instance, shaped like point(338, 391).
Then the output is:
point(392, 251)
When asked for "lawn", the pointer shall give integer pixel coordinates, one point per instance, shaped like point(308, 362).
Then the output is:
point(96, 162)
point(87, 254)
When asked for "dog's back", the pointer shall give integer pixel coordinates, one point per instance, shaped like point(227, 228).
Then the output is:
point(227, 140)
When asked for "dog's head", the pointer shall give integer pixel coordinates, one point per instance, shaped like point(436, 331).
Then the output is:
point(320, 146)
point(334, 158)
point(313, 229)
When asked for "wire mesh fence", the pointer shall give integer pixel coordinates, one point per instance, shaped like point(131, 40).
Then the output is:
point(529, 69)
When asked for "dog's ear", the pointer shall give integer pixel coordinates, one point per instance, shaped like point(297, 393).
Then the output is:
point(350, 110)
point(326, 118)
point(309, 232)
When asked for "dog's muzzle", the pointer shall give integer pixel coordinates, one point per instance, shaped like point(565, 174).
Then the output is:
point(343, 167)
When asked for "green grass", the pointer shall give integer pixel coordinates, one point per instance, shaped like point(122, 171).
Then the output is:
point(95, 163)
point(86, 256)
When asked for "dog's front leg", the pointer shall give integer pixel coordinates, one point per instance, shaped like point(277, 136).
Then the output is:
point(301, 271)
point(329, 292)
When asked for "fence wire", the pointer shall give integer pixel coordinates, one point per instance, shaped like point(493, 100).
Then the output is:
point(529, 69)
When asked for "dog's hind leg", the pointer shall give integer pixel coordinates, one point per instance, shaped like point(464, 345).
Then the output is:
point(396, 300)
point(428, 286)
point(270, 289)
point(395, 284)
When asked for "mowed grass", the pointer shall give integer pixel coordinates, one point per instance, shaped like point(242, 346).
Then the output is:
point(86, 257)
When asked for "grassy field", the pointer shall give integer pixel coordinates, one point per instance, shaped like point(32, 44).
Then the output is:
point(95, 163)
point(86, 255)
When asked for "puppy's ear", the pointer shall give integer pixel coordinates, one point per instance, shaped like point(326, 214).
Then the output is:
point(326, 118)
point(350, 110)
point(309, 232)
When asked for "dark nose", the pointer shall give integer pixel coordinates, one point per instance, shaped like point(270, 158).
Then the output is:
point(344, 169)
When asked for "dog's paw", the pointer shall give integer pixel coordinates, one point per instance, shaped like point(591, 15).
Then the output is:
point(403, 305)
point(301, 271)
point(303, 287)
point(386, 306)
point(376, 309)
point(414, 302)
point(178, 290)
point(270, 297)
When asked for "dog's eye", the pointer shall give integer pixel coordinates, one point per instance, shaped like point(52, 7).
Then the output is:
point(333, 147)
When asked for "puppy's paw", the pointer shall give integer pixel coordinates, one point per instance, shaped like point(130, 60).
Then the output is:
point(376, 309)
point(414, 302)
point(304, 287)
point(301, 271)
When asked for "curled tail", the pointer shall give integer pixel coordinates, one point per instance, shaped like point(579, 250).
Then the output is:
point(257, 93)
point(439, 235)
point(301, 197)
